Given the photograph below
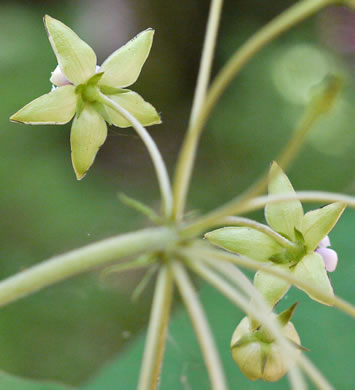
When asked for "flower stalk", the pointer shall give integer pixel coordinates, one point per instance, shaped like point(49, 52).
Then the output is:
point(82, 260)
point(158, 162)
point(201, 326)
point(185, 163)
point(157, 331)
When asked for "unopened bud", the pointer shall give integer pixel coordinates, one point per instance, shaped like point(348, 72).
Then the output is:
point(258, 358)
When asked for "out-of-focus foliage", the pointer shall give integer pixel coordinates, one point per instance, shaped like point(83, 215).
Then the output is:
point(66, 332)
point(14, 383)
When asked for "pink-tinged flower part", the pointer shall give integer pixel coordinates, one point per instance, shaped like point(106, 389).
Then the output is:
point(330, 258)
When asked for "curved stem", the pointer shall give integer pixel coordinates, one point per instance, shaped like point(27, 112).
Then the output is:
point(158, 162)
point(240, 221)
point(157, 331)
point(82, 260)
point(295, 14)
point(255, 265)
point(180, 185)
point(238, 206)
point(288, 351)
point(202, 329)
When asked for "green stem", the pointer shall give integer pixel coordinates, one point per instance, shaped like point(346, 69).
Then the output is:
point(238, 206)
point(240, 221)
point(255, 265)
point(289, 352)
point(180, 184)
point(295, 14)
point(157, 331)
point(82, 260)
point(237, 277)
point(202, 329)
point(158, 162)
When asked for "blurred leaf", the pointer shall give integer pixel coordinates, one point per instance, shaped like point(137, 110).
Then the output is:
point(9, 382)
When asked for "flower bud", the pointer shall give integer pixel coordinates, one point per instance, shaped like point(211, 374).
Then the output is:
point(257, 357)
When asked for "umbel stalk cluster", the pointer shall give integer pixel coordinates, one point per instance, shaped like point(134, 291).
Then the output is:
point(293, 248)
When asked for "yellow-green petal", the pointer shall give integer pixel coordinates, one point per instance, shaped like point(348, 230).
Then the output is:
point(316, 224)
point(283, 217)
point(143, 111)
point(123, 66)
point(57, 107)
point(88, 133)
point(75, 57)
point(311, 270)
point(245, 241)
point(271, 287)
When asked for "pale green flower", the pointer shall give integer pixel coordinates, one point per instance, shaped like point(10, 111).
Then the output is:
point(306, 257)
point(79, 83)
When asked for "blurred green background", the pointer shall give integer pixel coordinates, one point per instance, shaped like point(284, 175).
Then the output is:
point(70, 331)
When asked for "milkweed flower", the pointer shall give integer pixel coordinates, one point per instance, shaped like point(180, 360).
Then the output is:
point(308, 257)
point(78, 84)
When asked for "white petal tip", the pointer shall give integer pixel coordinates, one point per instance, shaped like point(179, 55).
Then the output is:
point(325, 242)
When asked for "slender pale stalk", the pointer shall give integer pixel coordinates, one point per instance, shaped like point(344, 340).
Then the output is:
point(201, 326)
point(137, 292)
point(289, 353)
point(82, 260)
point(158, 162)
point(237, 278)
point(255, 265)
point(240, 221)
point(180, 185)
point(237, 206)
point(314, 374)
point(293, 15)
point(140, 262)
point(157, 331)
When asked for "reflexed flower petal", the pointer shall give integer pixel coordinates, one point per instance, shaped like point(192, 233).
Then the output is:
point(316, 224)
point(271, 287)
point(58, 78)
point(325, 242)
point(283, 217)
point(75, 57)
point(56, 107)
point(123, 66)
point(311, 269)
point(245, 241)
point(88, 133)
point(143, 111)
point(330, 258)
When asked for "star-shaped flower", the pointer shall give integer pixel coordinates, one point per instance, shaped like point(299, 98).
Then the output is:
point(78, 84)
point(307, 256)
